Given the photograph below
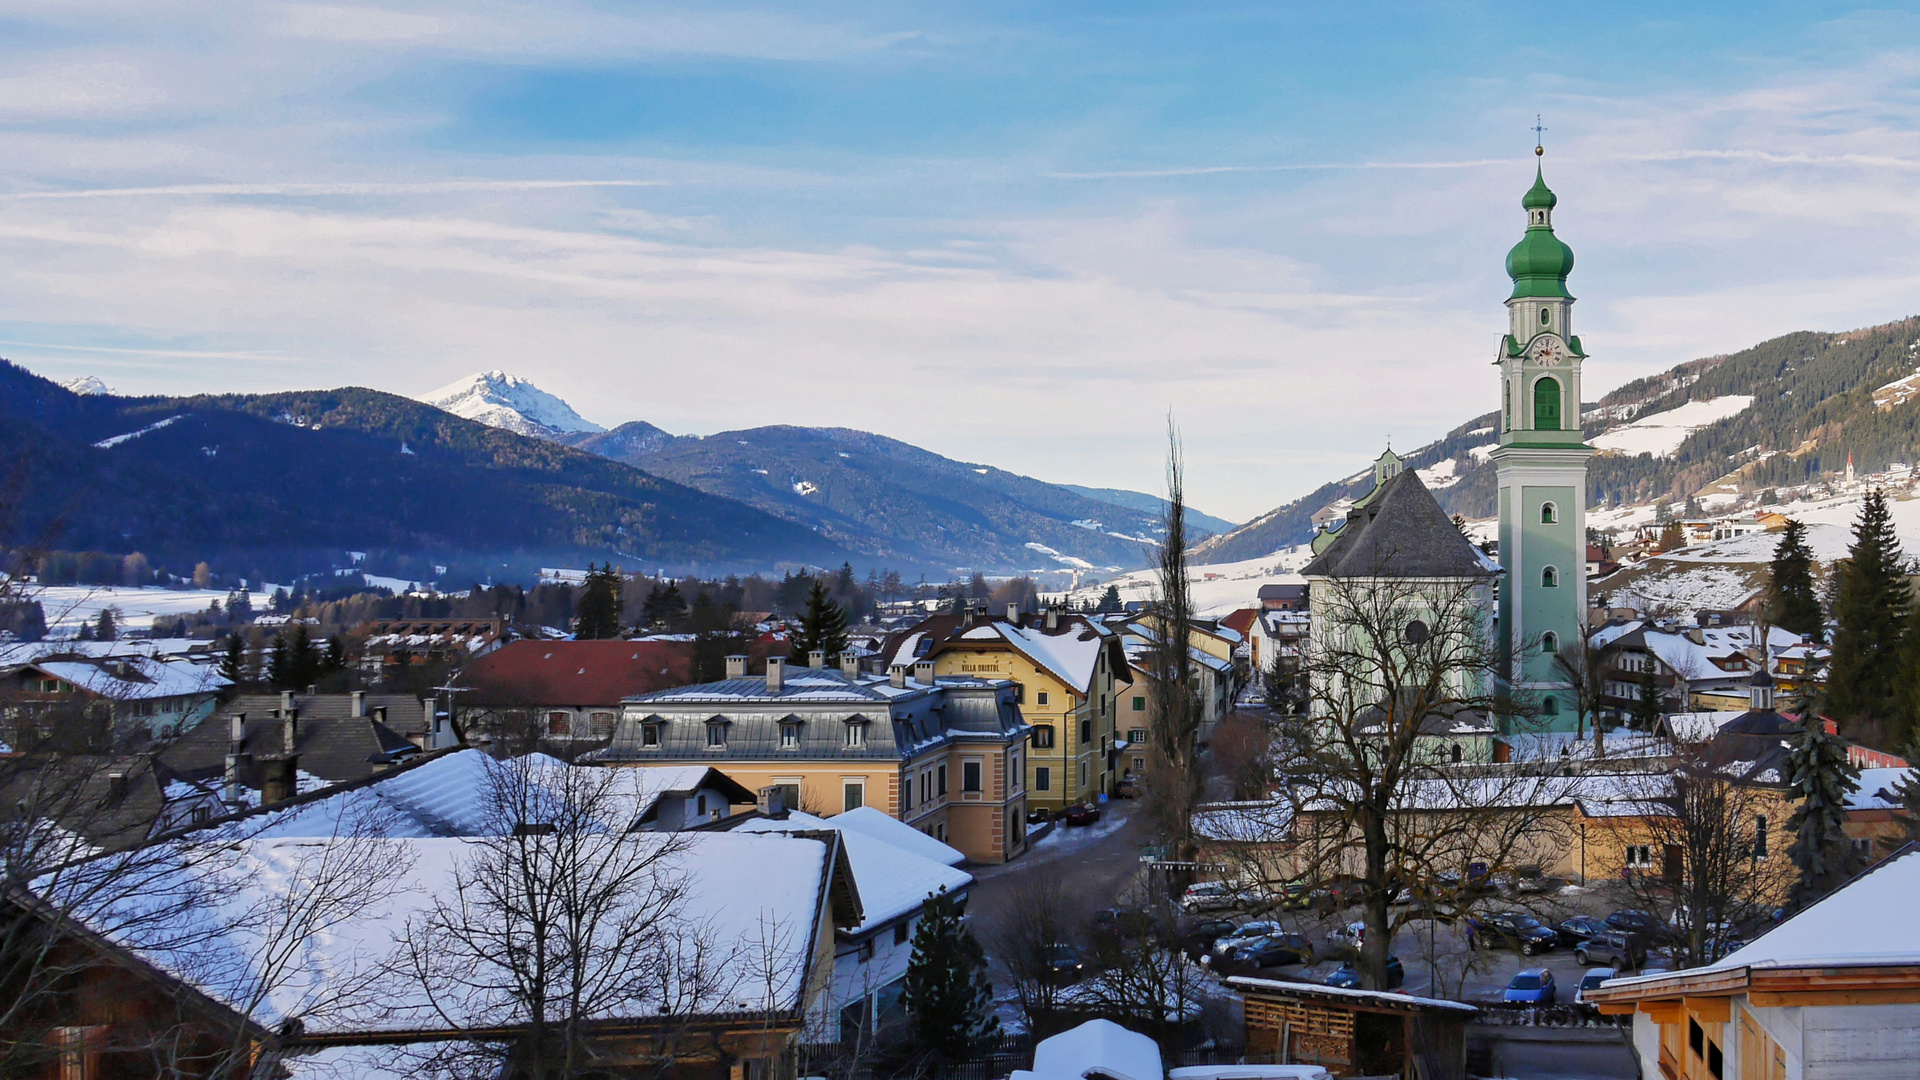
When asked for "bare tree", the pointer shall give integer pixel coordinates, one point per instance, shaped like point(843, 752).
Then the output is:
point(1036, 921)
point(560, 920)
point(1175, 779)
point(1380, 796)
point(1242, 749)
point(1583, 667)
point(1697, 850)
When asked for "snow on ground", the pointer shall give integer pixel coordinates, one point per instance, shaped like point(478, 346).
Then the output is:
point(1218, 588)
point(1688, 588)
point(67, 606)
point(1662, 433)
point(1440, 474)
point(1062, 837)
point(110, 443)
point(1829, 542)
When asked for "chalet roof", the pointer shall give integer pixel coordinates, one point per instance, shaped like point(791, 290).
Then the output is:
point(576, 673)
point(1375, 999)
point(893, 881)
point(1402, 533)
point(336, 749)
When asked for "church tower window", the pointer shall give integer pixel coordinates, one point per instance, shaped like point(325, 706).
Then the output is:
point(1546, 404)
point(1549, 643)
point(1550, 578)
point(1548, 514)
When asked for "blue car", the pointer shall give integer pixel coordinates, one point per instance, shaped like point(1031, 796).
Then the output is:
point(1534, 986)
point(1348, 976)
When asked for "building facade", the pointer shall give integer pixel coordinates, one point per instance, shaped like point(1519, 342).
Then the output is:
point(1541, 465)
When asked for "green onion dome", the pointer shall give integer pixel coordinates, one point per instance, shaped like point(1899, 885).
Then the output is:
point(1539, 263)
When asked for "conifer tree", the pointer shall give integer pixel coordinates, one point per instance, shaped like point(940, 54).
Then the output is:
point(823, 626)
point(233, 664)
point(1821, 778)
point(106, 630)
point(1907, 792)
point(1110, 601)
point(1792, 604)
point(279, 664)
point(947, 995)
point(1646, 707)
point(1870, 607)
point(599, 607)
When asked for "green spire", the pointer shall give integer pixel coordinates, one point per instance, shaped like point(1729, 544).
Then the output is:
point(1539, 263)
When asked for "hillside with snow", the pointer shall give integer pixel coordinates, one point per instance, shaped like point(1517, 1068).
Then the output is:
point(509, 402)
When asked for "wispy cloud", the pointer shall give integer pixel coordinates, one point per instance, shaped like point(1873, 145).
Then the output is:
point(432, 187)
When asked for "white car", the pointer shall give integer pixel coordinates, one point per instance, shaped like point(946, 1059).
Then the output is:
point(1591, 980)
point(1212, 896)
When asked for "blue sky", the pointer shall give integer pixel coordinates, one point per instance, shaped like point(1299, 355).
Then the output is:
point(1015, 234)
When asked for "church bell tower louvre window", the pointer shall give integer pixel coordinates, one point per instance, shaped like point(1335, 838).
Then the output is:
point(1549, 513)
point(1546, 403)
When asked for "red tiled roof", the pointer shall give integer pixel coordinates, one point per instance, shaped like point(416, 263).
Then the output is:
point(1241, 621)
point(576, 672)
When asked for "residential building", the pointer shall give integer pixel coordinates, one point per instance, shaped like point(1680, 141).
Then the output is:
point(1697, 668)
point(1215, 683)
point(1066, 670)
point(564, 693)
point(113, 802)
point(944, 753)
point(1290, 595)
point(390, 644)
point(130, 698)
point(1834, 991)
point(271, 747)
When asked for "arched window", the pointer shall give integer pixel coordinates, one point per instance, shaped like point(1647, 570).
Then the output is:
point(1550, 643)
point(1456, 753)
point(1549, 513)
point(1550, 578)
point(1546, 404)
point(1544, 317)
point(1549, 706)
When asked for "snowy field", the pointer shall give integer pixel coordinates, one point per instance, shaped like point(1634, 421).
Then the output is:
point(1218, 588)
point(68, 606)
point(1662, 433)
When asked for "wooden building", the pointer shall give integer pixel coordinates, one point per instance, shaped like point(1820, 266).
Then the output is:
point(1356, 1032)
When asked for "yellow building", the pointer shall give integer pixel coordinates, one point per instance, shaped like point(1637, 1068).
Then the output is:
point(1064, 667)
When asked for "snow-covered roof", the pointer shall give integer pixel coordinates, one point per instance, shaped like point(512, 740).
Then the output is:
point(880, 826)
point(1099, 1047)
point(1382, 996)
point(892, 881)
point(137, 678)
point(738, 890)
point(1867, 922)
point(1697, 727)
point(1244, 822)
point(1876, 789)
point(1070, 656)
point(457, 795)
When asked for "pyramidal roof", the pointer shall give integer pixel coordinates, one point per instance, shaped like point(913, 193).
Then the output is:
point(1402, 532)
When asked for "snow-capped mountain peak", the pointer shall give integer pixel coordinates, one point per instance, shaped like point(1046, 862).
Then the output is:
point(497, 399)
point(87, 386)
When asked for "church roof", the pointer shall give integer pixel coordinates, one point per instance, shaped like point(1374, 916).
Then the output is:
point(1401, 533)
point(1540, 262)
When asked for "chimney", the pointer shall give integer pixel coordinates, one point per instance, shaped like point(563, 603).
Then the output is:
point(289, 724)
point(817, 659)
point(380, 713)
point(278, 781)
point(850, 665)
point(1013, 612)
point(736, 667)
point(286, 702)
point(236, 756)
point(359, 703)
point(966, 613)
point(772, 802)
point(1053, 618)
point(116, 786)
point(897, 676)
point(776, 674)
point(923, 672)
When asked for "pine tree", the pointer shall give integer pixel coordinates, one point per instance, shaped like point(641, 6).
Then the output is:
point(1646, 707)
point(1821, 778)
point(599, 607)
point(105, 630)
point(1907, 792)
point(1792, 604)
point(1672, 537)
point(280, 665)
point(948, 997)
point(336, 656)
point(823, 626)
point(233, 665)
point(303, 659)
point(1110, 601)
point(1870, 607)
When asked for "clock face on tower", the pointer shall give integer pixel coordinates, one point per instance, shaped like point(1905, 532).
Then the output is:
point(1547, 349)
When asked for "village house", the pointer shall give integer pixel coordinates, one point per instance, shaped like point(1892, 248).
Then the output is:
point(564, 693)
point(1215, 682)
point(1693, 668)
point(137, 698)
point(387, 645)
point(1066, 670)
point(1832, 992)
point(943, 753)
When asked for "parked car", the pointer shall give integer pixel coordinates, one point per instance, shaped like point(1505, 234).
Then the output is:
point(1064, 963)
point(1513, 930)
point(1082, 813)
point(1593, 978)
point(1211, 896)
point(1128, 788)
point(1612, 947)
point(1198, 938)
point(1533, 986)
point(1351, 936)
point(1293, 896)
point(1239, 936)
point(1648, 926)
point(1580, 928)
point(1531, 880)
point(1270, 950)
point(1348, 976)
point(1122, 922)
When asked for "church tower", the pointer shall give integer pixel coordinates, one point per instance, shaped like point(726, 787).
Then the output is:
point(1541, 463)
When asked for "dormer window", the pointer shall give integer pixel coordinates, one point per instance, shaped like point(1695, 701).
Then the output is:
point(856, 732)
point(650, 734)
point(717, 733)
point(790, 733)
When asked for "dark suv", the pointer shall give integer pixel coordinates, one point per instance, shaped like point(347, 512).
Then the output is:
point(1613, 947)
point(1273, 950)
point(1514, 930)
point(1648, 926)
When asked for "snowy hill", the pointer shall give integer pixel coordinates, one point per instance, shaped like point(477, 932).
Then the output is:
point(497, 399)
point(86, 386)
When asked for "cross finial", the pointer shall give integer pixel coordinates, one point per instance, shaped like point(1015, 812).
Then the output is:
point(1538, 129)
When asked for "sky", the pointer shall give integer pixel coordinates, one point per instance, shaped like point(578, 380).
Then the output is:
point(1022, 235)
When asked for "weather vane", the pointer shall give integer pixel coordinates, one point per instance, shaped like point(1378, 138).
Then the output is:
point(1538, 148)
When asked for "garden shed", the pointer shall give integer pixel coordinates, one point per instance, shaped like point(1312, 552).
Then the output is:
point(1356, 1032)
